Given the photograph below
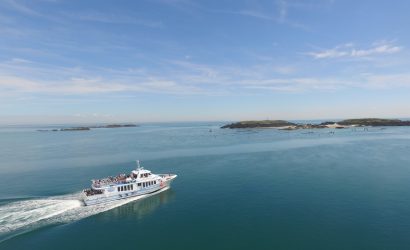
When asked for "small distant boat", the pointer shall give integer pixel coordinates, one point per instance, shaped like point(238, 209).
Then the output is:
point(139, 182)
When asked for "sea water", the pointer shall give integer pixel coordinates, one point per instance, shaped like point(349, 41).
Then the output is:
point(236, 189)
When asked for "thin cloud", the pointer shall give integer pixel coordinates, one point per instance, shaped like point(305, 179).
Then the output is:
point(349, 50)
point(282, 10)
point(385, 81)
point(102, 17)
point(86, 86)
point(278, 13)
point(178, 78)
point(19, 60)
point(19, 7)
point(253, 13)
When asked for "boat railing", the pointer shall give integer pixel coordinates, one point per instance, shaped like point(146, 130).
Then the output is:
point(110, 181)
point(167, 176)
point(90, 192)
point(104, 184)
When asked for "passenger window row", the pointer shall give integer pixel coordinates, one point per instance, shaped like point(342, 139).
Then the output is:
point(148, 183)
point(145, 175)
point(125, 188)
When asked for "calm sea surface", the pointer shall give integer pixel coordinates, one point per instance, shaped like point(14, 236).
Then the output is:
point(236, 189)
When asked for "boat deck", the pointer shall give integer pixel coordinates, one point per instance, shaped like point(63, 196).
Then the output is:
point(109, 181)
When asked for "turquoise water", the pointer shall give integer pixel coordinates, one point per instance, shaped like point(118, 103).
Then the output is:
point(236, 189)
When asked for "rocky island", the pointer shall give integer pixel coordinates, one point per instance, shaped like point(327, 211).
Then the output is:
point(285, 125)
point(260, 124)
point(374, 122)
point(90, 127)
point(74, 129)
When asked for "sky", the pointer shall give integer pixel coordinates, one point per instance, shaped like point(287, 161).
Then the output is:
point(184, 60)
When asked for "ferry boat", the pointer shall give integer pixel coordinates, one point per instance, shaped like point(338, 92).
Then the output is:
point(140, 181)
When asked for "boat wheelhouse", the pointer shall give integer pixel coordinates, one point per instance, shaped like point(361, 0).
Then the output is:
point(139, 182)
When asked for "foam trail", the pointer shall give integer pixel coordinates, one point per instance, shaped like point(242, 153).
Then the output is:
point(23, 213)
point(23, 216)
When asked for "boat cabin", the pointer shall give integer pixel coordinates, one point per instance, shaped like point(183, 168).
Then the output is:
point(141, 174)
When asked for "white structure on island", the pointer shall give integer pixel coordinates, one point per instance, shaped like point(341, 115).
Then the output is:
point(140, 181)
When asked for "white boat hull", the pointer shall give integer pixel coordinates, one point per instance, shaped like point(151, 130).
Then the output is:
point(113, 195)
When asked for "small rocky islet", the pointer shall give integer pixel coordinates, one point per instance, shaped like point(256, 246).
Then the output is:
point(89, 127)
point(285, 125)
point(260, 124)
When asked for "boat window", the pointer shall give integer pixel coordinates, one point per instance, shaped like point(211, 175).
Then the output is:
point(118, 189)
point(132, 187)
point(141, 175)
point(139, 184)
point(155, 182)
point(143, 184)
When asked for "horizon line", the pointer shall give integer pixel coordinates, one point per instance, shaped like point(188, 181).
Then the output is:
point(180, 121)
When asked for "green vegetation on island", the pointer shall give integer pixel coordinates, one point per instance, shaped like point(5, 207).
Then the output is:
point(75, 129)
point(259, 124)
point(375, 122)
point(115, 126)
point(90, 127)
point(285, 125)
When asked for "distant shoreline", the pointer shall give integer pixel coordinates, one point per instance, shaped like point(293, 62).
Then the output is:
point(87, 128)
point(286, 125)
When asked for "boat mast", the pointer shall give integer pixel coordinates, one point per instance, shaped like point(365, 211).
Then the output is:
point(138, 165)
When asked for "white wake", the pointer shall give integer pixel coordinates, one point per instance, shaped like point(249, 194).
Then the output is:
point(23, 213)
point(22, 216)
